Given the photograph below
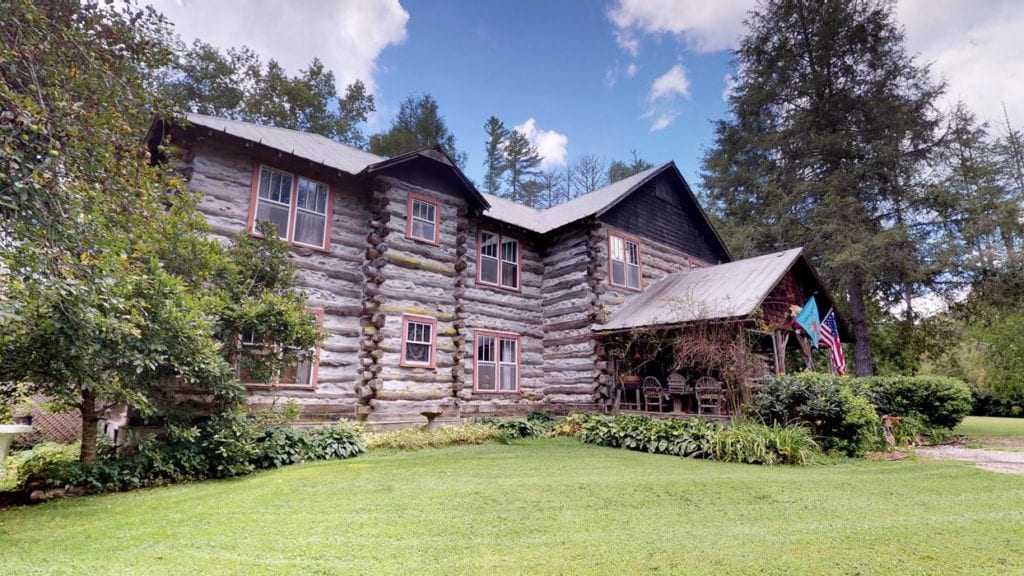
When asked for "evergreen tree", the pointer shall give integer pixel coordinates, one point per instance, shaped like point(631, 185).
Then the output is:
point(497, 134)
point(619, 169)
point(236, 84)
point(522, 162)
point(831, 124)
point(418, 124)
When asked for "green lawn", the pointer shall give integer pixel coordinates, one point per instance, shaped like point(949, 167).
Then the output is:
point(543, 506)
point(991, 427)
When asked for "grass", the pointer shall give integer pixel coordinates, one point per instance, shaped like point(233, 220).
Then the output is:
point(991, 427)
point(550, 506)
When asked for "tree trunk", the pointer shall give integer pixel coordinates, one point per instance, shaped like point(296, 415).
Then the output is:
point(89, 420)
point(861, 337)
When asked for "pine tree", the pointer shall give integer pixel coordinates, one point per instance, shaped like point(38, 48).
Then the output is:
point(620, 169)
point(418, 124)
point(497, 134)
point(831, 124)
point(522, 162)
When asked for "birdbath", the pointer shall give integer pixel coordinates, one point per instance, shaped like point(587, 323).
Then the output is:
point(430, 415)
point(7, 434)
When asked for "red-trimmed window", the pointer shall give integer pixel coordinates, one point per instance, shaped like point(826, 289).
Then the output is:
point(300, 207)
point(497, 260)
point(623, 261)
point(419, 341)
point(423, 222)
point(302, 373)
point(496, 364)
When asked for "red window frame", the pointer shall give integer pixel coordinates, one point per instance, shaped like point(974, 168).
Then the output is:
point(626, 239)
point(314, 371)
point(414, 319)
point(417, 197)
point(498, 337)
point(480, 255)
point(292, 208)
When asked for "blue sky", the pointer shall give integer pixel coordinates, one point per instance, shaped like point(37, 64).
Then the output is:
point(595, 77)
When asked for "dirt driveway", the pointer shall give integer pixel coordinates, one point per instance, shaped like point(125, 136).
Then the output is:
point(1007, 461)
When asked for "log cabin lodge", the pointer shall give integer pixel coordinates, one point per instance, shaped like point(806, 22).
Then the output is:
point(441, 302)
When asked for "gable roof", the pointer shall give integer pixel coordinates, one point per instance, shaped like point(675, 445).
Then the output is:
point(721, 292)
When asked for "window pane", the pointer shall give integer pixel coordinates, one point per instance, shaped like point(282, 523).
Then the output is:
point(489, 244)
point(276, 214)
point(417, 352)
point(633, 252)
point(423, 210)
point(488, 270)
point(310, 228)
point(508, 377)
point(617, 249)
point(509, 275)
point(618, 272)
point(510, 251)
point(485, 349)
point(485, 376)
point(312, 196)
point(634, 276)
point(508, 350)
point(423, 230)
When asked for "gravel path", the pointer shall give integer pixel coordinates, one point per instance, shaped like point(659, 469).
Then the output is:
point(994, 460)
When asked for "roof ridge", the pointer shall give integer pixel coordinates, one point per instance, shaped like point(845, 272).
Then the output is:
point(293, 130)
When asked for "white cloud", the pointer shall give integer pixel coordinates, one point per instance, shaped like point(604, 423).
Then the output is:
point(550, 144)
point(704, 26)
point(664, 93)
point(632, 69)
point(729, 86)
point(347, 35)
point(975, 47)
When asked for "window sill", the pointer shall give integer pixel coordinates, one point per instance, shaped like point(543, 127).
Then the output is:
point(422, 240)
point(498, 392)
point(293, 244)
point(298, 387)
point(483, 284)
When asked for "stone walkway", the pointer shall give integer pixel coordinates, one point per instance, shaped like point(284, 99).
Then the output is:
point(1005, 461)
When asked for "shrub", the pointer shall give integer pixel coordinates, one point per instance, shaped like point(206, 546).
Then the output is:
point(418, 438)
point(838, 419)
point(516, 428)
point(571, 425)
point(938, 400)
point(753, 443)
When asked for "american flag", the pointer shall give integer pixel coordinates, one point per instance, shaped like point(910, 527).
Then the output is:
point(830, 338)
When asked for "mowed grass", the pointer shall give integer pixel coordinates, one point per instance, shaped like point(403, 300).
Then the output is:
point(991, 427)
point(538, 507)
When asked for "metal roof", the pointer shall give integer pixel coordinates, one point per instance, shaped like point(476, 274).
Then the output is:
point(719, 292)
point(312, 147)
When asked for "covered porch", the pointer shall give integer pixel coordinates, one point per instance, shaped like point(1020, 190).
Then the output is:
point(701, 341)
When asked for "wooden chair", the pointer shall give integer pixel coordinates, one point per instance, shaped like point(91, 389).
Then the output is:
point(654, 394)
point(710, 396)
point(678, 388)
point(629, 394)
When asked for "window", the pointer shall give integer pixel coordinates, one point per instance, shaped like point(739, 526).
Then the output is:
point(300, 208)
point(498, 260)
point(424, 218)
point(419, 337)
point(624, 261)
point(497, 362)
point(302, 373)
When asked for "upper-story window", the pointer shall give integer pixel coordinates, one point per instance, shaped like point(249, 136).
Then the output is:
point(299, 207)
point(624, 261)
point(498, 260)
point(424, 219)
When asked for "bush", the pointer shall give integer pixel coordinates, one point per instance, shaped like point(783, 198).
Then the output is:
point(571, 425)
point(938, 400)
point(838, 419)
point(418, 438)
point(516, 428)
point(747, 442)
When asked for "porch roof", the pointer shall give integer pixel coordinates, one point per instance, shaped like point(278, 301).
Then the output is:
point(721, 292)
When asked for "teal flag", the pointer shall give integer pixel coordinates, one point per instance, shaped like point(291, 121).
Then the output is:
point(809, 320)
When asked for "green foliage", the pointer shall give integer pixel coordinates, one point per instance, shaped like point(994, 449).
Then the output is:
point(224, 446)
point(939, 401)
point(418, 438)
point(571, 425)
point(236, 84)
point(521, 161)
point(619, 169)
point(516, 428)
point(497, 134)
point(418, 124)
point(35, 462)
point(745, 442)
point(837, 418)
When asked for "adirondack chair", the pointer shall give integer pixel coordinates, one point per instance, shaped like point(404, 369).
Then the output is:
point(710, 396)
